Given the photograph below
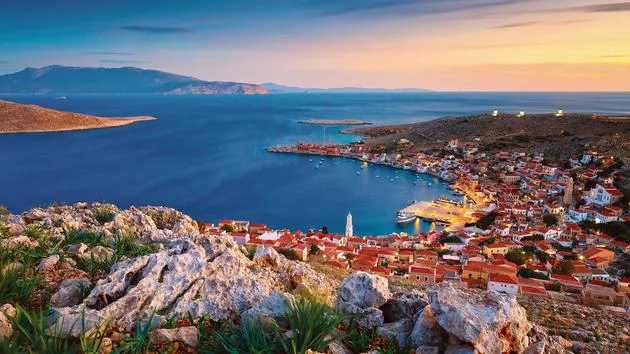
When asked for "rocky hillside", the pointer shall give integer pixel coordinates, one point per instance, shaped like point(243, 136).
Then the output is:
point(557, 137)
point(63, 80)
point(144, 280)
point(20, 118)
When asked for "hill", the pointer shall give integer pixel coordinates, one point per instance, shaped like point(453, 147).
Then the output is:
point(276, 88)
point(19, 118)
point(557, 137)
point(56, 79)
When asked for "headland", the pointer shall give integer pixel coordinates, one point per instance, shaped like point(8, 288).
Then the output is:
point(334, 122)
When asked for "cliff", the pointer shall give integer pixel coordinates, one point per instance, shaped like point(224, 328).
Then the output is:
point(19, 118)
point(56, 79)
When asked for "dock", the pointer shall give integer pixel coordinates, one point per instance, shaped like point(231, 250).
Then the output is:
point(454, 216)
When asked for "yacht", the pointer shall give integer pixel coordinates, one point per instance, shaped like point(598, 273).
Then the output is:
point(404, 217)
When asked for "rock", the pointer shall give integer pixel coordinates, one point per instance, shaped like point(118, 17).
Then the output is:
point(489, 321)
point(106, 346)
point(18, 241)
point(404, 305)
point(369, 318)
point(13, 266)
point(337, 347)
point(267, 255)
point(550, 345)
point(459, 349)
point(48, 263)
point(187, 335)
point(98, 253)
point(364, 290)
point(193, 276)
point(426, 331)
point(171, 219)
point(134, 220)
point(399, 330)
point(77, 248)
point(427, 349)
point(275, 306)
point(70, 292)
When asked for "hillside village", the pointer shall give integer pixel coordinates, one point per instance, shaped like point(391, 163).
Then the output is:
point(544, 229)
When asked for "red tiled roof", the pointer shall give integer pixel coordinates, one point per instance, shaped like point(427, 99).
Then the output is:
point(504, 278)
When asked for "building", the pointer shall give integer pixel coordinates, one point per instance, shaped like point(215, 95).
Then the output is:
point(422, 275)
point(503, 283)
point(349, 231)
point(567, 199)
point(602, 195)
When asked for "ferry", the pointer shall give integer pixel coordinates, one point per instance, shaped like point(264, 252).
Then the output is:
point(459, 192)
point(446, 200)
point(404, 217)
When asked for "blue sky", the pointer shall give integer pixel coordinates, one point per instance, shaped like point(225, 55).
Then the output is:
point(439, 44)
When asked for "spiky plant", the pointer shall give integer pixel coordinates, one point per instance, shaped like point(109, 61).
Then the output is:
point(254, 336)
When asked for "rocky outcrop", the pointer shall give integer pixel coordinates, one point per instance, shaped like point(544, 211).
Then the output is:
point(364, 290)
point(426, 331)
point(193, 276)
point(70, 292)
point(404, 305)
point(188, 335)
point(6, 328)
point(487, 321)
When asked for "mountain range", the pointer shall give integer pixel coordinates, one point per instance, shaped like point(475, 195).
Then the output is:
point(57, 79)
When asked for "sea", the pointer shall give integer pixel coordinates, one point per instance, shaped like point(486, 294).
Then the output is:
point(206, 155)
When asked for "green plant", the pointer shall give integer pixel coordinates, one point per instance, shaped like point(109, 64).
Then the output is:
point(17, 282)
point(208, 330)
point(31, 334)
point(35, 231)
point(254, 336)
point(104, 214)
point(359, 340)
point(94, 266)
point(91, 341)
point(313, 326)
point(4, 230)
point(391, 346)
point(125, 245)
point(90, 238)
point(3, 211)
point(140, 342)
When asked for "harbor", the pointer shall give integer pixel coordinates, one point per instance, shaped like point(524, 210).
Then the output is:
point(453, 215)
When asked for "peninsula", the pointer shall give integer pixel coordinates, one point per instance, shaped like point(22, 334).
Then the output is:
point(334, 122)
point(20, 118)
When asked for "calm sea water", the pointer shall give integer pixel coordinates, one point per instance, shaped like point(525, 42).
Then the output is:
point(205, 155)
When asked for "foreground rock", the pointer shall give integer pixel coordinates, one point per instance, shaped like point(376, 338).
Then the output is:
point(360, 294)
point(486, 321)
point(194, 276)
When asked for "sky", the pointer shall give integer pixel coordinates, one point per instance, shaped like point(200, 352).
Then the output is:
point(450, 45)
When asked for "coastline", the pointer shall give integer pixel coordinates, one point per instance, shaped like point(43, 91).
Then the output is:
point(103, 123)
point(334, 122)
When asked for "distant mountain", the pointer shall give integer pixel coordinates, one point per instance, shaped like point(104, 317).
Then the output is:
point(276, 88)
point(56, 79)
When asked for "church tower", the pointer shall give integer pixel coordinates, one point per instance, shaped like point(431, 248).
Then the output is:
point(568, 192)
point(349, 232)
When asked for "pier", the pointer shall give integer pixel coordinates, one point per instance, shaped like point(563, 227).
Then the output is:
point(453, 215)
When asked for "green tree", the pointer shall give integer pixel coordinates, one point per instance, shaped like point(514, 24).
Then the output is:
point(529, 273)
point(325, 230)
point(227, 228)
point(517, 257)
point(550, 219)
point(565, 267)
point(314, 249)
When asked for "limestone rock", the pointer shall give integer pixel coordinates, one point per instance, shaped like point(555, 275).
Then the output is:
point(426, 331)
point(364, 290)
point(8, 310)
point(70, 292)
point(404, 305)
point(6, 329)
point(427, 349)
point(48, 263)
point(459, 349)
point(550, 345)
point(134, 220)
point(18, 241)
point(369, 318)
point(187, 335)
point(98, 253)
point(275, 306)
point(398, 330)
point(78, 248)
point(490, 322)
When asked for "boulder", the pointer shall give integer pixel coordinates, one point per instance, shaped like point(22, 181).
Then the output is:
point(490, 322)
point(398, 330)
point(188, 335)
point(550, 345)
point(368, 318)
point(77, 248)
point(275, 306)
point(134, 220)
point(459, 349)
point(192, 276)
point(8, 310)
point(404, 305)
point(6, 329)
point(48, 263)
point(427, 349)
point(70, 292)
point(426, 331)
point(364, 290)
point(18, 241)
point(98, 253)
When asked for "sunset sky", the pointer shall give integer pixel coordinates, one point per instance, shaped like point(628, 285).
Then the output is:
point(499, 45)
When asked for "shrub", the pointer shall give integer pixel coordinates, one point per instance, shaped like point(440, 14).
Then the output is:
point(550, 219)
point(92, 341)
point(313, 326)
point(564, 267)
point(254, 336)
point(35, 231)
point(289, 254)
point(528, 273)
point(16, 284)
point(358, 340)
point(140, 342)
point(517, 257)
point(3, 211)
point(90, 238)
point(125, 245)
point(94, 266)
point(104, 214)
point(31, 335)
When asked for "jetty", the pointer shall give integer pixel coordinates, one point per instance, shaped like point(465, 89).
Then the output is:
point(453, 215)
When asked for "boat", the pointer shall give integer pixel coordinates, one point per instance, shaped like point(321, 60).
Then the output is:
point(430, 184)
point(458, 192)
point(391, 180)
point(358, 172)
point(404, 217)
point(310, 160)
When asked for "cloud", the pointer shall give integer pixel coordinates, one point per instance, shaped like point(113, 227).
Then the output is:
point(116, 61)
point(110, 53)
point(401, 7)
point(157, 29)
point(614, 56)
point(517, 24)
point(610, 7)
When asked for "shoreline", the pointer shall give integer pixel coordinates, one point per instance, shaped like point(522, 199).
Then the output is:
point(107, 123)
point(334, 122)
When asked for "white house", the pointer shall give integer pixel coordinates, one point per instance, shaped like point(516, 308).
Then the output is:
point(602, 195)
point(577, 215)
point(503, 283)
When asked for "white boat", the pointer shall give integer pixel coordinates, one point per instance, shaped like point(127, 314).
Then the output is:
point(430, 184)
point(358, 172)
point(404, 217)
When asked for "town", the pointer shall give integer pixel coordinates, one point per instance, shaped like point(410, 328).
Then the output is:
point(541, 229)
